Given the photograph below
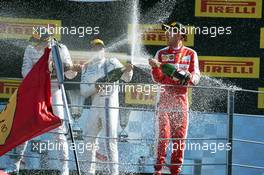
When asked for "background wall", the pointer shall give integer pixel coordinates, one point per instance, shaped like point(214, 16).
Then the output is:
point(113, 19)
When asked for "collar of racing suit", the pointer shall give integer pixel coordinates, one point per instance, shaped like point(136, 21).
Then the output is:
point(178, 49)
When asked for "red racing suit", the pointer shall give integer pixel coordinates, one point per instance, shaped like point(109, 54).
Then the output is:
point(173, 104)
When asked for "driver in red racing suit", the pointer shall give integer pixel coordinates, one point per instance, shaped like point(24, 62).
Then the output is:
point(173, 101)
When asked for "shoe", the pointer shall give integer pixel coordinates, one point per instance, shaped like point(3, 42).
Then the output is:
point(8, 171)
point(157, 173)
point(3, 172)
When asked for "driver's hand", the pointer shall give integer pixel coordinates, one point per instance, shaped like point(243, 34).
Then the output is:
point(154, 63)
point(128, 67)
point(77, 67)
point(99, 87)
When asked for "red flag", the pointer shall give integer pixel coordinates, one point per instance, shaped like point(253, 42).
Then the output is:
point(29, 112)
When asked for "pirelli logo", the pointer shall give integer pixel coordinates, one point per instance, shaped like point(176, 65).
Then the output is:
point(231, 67)
point(261, 98)
point(22, 28)
point(262, 38)
point(140, 97)
point(229, 8)
point(146, 96)
point(152, 34)
point(8, 87)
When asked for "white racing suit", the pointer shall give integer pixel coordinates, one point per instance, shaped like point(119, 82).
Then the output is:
point(31, 56)
point(103, 119)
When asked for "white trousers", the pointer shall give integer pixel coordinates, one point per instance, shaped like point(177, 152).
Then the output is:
point(105, 121)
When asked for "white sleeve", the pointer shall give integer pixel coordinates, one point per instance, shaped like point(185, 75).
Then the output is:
point(88, 76)
point(116, 63)
point(66, 59)
point(196, 75)
point(156, 57)
point(27, 63)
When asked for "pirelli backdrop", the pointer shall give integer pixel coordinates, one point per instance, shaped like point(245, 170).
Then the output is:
point(230, 42)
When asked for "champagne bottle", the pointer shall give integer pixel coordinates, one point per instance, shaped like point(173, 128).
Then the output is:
point(171, 71)
point(112, 76)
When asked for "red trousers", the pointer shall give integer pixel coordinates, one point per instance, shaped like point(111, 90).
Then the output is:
point(172, 123)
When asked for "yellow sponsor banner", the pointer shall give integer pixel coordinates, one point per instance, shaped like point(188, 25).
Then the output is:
point(23, 28)
point(7, 117)
point(140, 94)
point(146, 94)
point(262, 38)
point(261, 98)
point(229, 9)
point(231, 67)
point(152, 34)
point(8, 87)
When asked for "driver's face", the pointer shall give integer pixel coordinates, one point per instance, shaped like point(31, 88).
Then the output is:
point(173, 38)
point(42, 45)
point(96, 48)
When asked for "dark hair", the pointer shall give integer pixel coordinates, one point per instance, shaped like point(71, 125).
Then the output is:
point(38, 39)
point(175, 26)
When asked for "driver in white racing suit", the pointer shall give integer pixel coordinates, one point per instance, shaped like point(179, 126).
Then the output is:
point(104, 118)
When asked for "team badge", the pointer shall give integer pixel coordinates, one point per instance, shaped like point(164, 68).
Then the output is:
point(167, 57)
